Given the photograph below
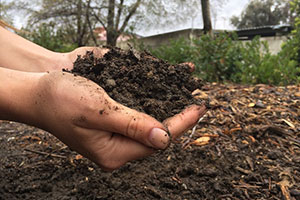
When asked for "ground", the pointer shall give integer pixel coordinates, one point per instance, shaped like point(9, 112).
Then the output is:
point(247, 146)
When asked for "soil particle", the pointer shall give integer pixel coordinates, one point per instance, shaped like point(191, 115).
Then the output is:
point(141, 81)
point(101, 112)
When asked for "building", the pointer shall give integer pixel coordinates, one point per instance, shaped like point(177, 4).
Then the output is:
point(274, 35)
point(122, 40)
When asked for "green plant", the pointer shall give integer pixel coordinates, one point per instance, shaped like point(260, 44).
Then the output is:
point(177, 51)
point(216, 57)
point(225, 58)
point(260, 66)
point(46, 35)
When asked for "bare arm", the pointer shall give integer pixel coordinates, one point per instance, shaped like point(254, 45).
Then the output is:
point(20, 54)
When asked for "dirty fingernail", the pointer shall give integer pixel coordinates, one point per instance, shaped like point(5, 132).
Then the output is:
point(159, 138)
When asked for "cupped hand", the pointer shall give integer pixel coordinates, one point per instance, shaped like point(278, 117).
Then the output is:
point(66, 60)
point(83, 116)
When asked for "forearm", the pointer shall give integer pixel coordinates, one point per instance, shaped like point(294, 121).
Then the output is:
point(20, 54)
point(17, 95)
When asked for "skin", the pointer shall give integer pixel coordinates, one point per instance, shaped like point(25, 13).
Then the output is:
point(77, 111)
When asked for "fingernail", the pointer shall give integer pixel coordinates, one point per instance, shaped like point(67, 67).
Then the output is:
point(159, 138)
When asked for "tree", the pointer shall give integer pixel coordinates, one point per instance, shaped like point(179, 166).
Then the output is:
point(5, 8)
point(207, 27)
point(262, 13)
point(80, 17)
point(73, 16)
point(50, 37)
point(6, 14)
point(116, 12)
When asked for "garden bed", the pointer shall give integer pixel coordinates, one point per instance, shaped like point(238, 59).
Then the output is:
point(246, 147)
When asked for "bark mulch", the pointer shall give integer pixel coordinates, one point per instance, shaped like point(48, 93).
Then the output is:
point(247, 146)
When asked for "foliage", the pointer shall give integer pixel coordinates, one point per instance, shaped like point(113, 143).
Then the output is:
point(216, 57)
point(260, 66)
point(70, 16)
point(5, 11)
point(292, 46)
point(224, 58)
point(178, 51)
point(47, 36)
point(262, 13)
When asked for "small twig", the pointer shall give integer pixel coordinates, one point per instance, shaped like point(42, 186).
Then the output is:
point(45, 154)
point(285, 192)
point(193, 132)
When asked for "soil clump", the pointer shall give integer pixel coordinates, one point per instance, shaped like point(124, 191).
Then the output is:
point(140, 81)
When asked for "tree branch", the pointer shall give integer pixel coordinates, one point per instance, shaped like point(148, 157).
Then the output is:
point(131, 12)
point(111, 14)
point(89, 22)
point(99, 20)
point(119, 14)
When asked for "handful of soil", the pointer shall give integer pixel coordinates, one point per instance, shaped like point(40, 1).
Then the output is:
point(140, 81)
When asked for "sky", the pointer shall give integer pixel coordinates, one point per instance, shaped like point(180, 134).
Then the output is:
point(222, 21)
point(230, 8)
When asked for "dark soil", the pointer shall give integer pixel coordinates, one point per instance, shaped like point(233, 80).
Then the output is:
point(140, 81)
point(253, 153)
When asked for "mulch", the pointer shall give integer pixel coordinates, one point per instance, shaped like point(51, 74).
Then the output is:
point(247, 146)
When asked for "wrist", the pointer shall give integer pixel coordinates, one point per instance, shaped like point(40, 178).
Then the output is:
point(18, 93)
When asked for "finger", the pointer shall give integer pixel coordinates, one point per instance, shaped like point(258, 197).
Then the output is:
point(109, 151)
point(138, 126)
point(81, 51)
point(190, 64)
point(98, 52)
point(96, 110)
point(121, 150)
point(117, 118)
point(185, 120)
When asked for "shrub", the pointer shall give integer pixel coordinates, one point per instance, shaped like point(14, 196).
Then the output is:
point(224, 58)
point(46, 35)
point(216, 57)
point(178, 51)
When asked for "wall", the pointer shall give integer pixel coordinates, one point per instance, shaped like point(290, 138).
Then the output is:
point(275, 42)
point(161, 39)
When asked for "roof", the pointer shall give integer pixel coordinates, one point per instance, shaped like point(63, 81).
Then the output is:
point(243, 34)
point(265, 31)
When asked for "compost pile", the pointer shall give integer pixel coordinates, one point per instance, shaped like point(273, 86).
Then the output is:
point(140, 81)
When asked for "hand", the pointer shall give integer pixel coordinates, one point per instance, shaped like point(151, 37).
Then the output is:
point(83, 116)
point(66, 60)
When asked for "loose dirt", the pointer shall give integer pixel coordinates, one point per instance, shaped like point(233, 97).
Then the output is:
point(246, 147)
point(140, 81)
